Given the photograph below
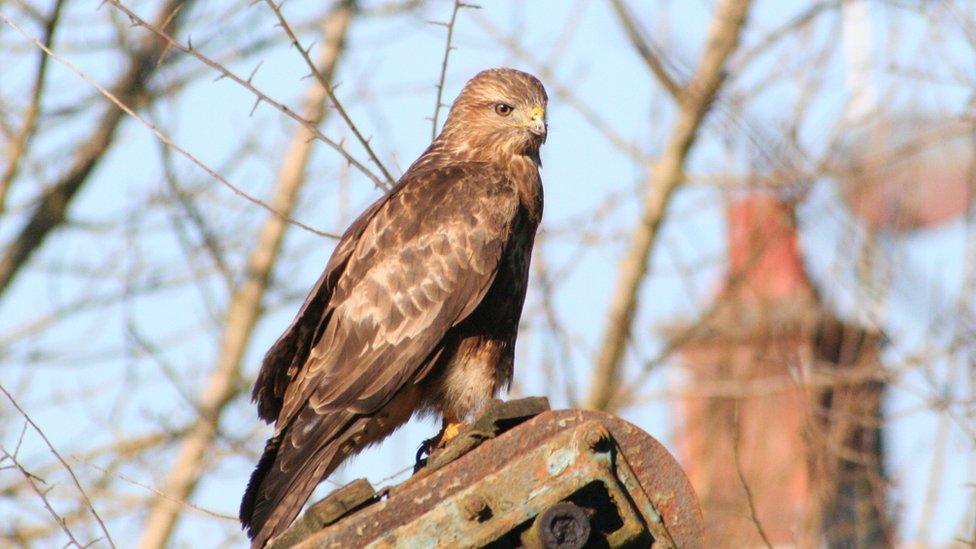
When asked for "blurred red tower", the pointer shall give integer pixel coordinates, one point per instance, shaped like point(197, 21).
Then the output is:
point(782, 426)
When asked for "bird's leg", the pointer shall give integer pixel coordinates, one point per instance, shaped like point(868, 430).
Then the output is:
point(450, 430)
point(428, 447)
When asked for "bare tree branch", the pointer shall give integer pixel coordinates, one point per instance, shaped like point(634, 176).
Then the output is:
point(18, 145)
point(327, 86)
point(438, 102)
point(750, 500)
point(246, 84)
point(64, 463)
point(647, 50)
point(169, 142)
point(160, 494)
point(196, 217)
point(666, 176)
point(42, 494)
point(125, 448)
point(772, 38)
point(50, 211)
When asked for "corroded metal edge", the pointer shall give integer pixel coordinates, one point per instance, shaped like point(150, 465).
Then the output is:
point(662, 479)
point(341, 502)
point(485, 512)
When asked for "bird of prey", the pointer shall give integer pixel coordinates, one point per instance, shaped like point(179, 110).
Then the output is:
point(418, 308)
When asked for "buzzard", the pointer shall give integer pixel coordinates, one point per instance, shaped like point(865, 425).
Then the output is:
point(418, 308)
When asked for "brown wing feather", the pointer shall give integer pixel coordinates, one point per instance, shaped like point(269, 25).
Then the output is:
point(290, 351)
point(422, 263)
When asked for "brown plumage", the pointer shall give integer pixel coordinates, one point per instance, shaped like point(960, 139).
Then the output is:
point(418, 308)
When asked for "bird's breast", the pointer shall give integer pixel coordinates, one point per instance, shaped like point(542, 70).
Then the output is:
point(525, 174)
point(475, 372)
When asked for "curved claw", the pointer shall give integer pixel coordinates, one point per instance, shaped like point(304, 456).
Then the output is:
point(423, 452)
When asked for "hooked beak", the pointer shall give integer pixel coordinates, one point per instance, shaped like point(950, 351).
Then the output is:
point(537, 123)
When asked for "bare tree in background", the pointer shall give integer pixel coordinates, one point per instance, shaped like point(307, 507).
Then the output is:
point(246, 301)
point(52, 206)
point(694, 99)
point(770, 268)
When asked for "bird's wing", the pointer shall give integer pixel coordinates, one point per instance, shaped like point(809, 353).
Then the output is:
point(290, 351)
point(422, 263)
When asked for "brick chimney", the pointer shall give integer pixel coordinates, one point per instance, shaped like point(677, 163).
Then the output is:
point(760, 425)
point(763, 250)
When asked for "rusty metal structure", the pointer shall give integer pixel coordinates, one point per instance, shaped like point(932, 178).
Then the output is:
point(519, 476)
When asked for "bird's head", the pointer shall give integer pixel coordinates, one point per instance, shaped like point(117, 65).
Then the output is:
point(500, 112)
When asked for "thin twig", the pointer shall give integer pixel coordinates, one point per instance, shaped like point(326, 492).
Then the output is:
point(738, 66)
point(41, 494)
point(156, 491)
point(647, 50)
point(18, 145)
point(330, 91)
point(63, 462)
point(246, 84)
point(382, 482)
point(129, 447)
point(196, 217)
point(753, 515)
point(440, 81)
point(160, 135)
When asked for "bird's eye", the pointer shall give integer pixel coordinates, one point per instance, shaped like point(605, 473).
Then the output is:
point(501, 109)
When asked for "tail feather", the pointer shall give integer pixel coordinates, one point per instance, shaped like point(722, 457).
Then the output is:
point(293, 463)
point(249, 501)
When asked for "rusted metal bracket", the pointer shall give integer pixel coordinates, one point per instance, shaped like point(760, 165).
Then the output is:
point(339, 503)
point(500, 417)
point(567, 479)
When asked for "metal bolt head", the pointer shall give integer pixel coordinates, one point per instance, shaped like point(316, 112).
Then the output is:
point(563, 526)
point(475, 507)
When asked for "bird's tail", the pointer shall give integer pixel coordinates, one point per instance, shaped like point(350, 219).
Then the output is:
point(291, 467)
